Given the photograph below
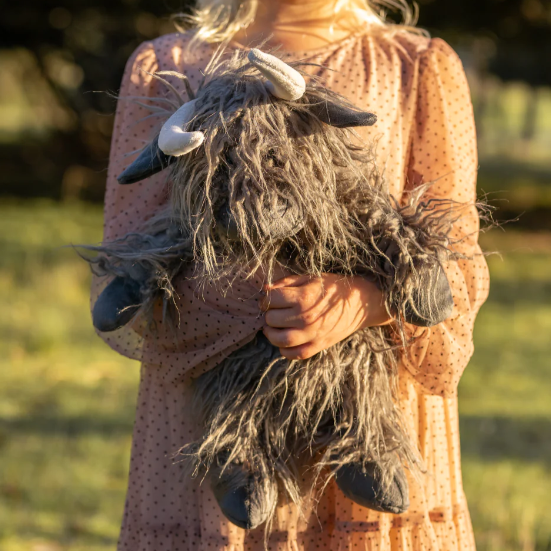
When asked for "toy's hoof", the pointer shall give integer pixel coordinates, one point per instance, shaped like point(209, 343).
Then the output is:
point(432, 302)
point(363, 488)
point(247, 505)
point(116, 305)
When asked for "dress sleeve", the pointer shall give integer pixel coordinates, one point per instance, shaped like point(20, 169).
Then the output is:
point(128, 206)
point(443, 151)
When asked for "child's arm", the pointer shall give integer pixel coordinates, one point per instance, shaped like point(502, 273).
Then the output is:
point(443, 150)
point(126, 207)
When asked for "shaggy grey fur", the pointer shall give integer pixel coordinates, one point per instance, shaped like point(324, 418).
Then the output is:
point(334, 214)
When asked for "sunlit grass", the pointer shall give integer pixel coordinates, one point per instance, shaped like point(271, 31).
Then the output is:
point(67, 401)
point(504, 402)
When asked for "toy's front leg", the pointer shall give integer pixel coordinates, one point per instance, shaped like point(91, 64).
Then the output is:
point(117, 304)
point(156, 259)
point(121, 299)
point(415, 284)
point(430, 301)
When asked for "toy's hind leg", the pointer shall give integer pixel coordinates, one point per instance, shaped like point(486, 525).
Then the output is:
point(379, 484)
point(233, 398)
point(362, 484)
point(247, 500)
point(362, 437)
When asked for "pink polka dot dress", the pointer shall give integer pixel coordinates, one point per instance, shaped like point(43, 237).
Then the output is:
point(425, 132)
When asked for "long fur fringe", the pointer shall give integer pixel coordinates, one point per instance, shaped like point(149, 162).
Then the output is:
point(153, 258)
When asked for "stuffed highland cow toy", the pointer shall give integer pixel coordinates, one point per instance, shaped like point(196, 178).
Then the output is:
point(265, 179)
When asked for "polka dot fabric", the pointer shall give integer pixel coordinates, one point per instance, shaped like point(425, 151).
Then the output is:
point(425, 133)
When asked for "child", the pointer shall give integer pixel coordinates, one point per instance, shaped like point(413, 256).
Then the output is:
point(425, 133)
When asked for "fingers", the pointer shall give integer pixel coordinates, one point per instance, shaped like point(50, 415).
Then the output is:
point(302, 292)
point(305, 315)
point(284, 317)
point(296, 312)
point(294, 318)
point(280, 298)
point(302, 352)
point(302, 298)
point(296, 344)
point(288, 338)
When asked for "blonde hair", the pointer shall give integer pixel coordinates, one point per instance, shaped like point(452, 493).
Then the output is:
point(219, 20)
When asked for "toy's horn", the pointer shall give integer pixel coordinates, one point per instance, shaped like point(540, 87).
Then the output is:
point(341, 116)
point(284, 82)
point(150, 161)
point(173, 139)
point(171, 142)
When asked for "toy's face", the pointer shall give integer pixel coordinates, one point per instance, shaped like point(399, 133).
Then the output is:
point(253, 162)
point(236, 88)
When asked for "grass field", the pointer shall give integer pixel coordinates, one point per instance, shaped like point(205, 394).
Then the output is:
point(66, 400)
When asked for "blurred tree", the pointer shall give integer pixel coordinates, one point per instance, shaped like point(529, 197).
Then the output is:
point(55, 130)
point(55, 141)
point(510, 39)
point(519, 31)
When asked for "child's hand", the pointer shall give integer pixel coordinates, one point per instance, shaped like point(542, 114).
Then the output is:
point(305, 315)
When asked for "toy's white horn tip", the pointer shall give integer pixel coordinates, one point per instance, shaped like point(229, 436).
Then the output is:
point(173, 139)
point(284, 82)
point(177, 143)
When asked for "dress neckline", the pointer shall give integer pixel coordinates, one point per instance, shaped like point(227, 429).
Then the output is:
point(310, 52)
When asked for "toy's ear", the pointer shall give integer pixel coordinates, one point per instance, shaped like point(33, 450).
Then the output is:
point(150, 161)
point(341, 116)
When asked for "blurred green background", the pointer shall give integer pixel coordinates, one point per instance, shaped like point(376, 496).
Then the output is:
point(67, 401)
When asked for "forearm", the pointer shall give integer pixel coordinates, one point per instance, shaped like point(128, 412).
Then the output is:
point(371, 301)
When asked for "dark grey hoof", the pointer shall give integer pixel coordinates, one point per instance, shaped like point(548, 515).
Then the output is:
point(432, 303)
point(247, 505)
point(362, 487)
point(116, 305)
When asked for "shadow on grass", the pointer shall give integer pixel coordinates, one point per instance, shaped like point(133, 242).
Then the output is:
point(73, 532)
point(77, 425)
point(496, 438)
point(483, 437)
